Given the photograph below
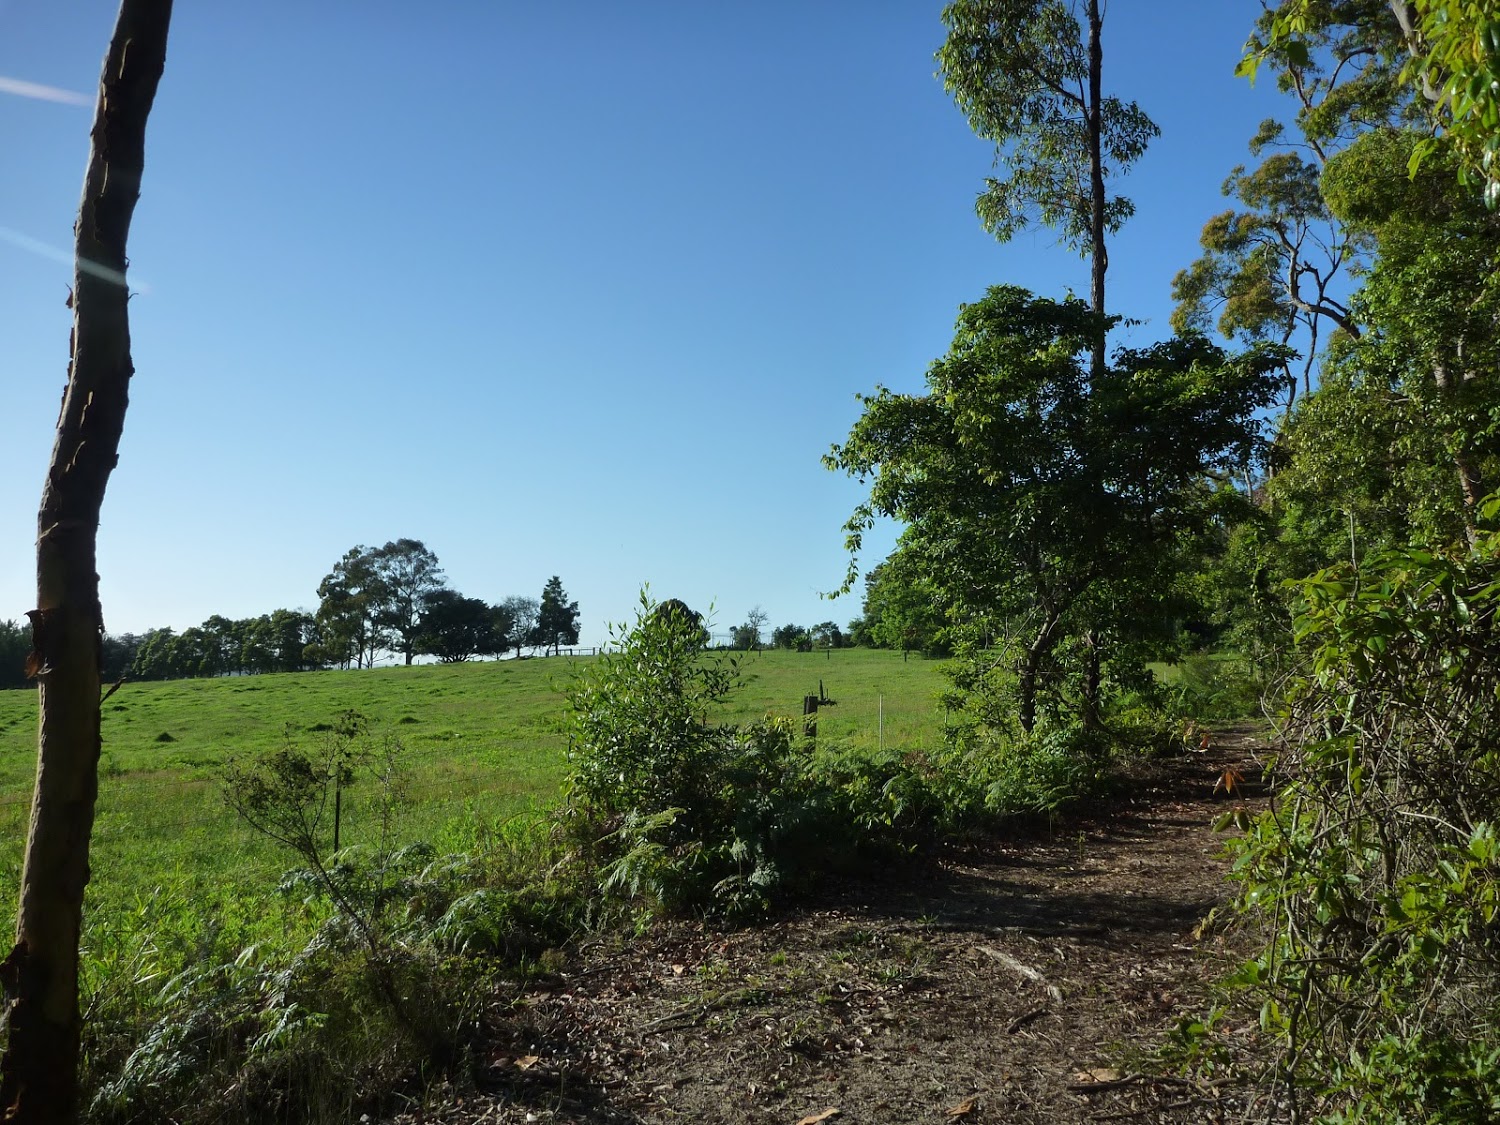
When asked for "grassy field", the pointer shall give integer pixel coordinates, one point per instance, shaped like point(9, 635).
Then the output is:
point(480, 742)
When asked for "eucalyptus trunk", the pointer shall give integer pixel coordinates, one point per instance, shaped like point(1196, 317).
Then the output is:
point(1099, 252)
point(39, 1070)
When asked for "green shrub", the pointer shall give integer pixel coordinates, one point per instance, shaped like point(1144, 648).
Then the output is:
point(1003, 771)
point(1376, 874)
point(677, 810)
point(1212, 687)
point(1044, 772)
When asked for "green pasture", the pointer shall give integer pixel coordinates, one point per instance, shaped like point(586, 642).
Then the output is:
point(480, 742)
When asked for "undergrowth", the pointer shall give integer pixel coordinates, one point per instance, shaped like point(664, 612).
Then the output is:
point(371, 968)
point(1374, 880)
point(373, 976)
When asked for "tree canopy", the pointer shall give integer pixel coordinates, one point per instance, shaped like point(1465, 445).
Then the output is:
point(557, 618)
point(1029, 77)
point(1025, 488)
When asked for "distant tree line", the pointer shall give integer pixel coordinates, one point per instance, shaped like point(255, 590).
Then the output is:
point(900, 611)
point(376, 601)
point(807, 638)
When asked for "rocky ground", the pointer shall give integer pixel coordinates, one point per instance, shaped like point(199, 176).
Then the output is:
point(1025, 981)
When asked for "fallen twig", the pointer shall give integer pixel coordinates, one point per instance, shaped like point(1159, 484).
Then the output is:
point(1021, 1021)
point(1021, 969)
point(693, 1015)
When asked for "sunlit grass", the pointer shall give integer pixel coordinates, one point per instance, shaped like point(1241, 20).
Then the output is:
point(481, 742)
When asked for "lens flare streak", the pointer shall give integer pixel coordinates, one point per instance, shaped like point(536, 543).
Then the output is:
point(23, 89)
point(52, 253)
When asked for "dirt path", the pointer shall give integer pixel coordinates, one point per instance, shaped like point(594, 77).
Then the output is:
point(1022, 984)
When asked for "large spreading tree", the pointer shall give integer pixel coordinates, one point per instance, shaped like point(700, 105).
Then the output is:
point(454, 628)
point(1052, 505)
point(1049, 496)
point(407, 574)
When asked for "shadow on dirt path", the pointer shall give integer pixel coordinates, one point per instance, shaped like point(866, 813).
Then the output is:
point(1026, 981)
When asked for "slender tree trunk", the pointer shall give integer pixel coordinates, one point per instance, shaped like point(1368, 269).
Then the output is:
point(1092, 681)
point(39, 1071)
point(1470, 480)
point(1031, 664)
point(1099, 253)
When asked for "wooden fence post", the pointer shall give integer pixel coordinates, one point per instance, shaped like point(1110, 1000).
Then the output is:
point(810, 717)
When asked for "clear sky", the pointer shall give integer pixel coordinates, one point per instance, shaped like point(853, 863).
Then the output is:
point(581, 289)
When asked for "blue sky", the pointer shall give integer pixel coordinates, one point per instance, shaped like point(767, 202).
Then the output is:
point(580, 289)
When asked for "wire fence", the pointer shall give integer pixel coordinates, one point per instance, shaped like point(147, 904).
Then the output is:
point(440, 785)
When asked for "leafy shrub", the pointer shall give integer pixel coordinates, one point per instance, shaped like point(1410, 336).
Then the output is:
point(1213, 687)
point(1377, 873)
point(1044, 772)
point(1007, 771)
point(675, 809)
point(893, 800)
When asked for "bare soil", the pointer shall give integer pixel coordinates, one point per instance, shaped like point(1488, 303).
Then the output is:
point(1022, 981)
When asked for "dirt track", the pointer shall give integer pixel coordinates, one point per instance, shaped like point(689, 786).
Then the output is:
point(1026, 982)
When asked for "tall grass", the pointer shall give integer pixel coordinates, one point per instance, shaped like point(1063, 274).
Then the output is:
point(483, 743)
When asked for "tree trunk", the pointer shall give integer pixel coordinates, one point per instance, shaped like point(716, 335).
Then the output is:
point(1031, 664)
point(1099, 256)
point(39, 1071)
point(1092, 681)
point(1470, 480)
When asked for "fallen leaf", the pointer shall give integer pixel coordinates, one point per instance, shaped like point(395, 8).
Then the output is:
point(813, 1119)
point(962, 1109)
point(1099, 1074)
point(677, 970)
point(526, 1062)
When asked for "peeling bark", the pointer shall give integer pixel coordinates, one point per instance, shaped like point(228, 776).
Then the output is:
point(39, 1070)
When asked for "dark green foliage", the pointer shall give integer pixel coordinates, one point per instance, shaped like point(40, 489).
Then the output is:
point(373, 600)
point(283, 641)
point(902, 609)
point(678, 608)
point(454, 628)
point(406, 574)
point(557, 618)
point(518, 615)
point(682, 811)
point(1211, 688)
point(1056, 510)
point(1378, 871)
point(826, 634)
point(1008, 770)
point(791, 636)
point(15, 643)
point(348, 601)
point(639, 726)
point(115, 655)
